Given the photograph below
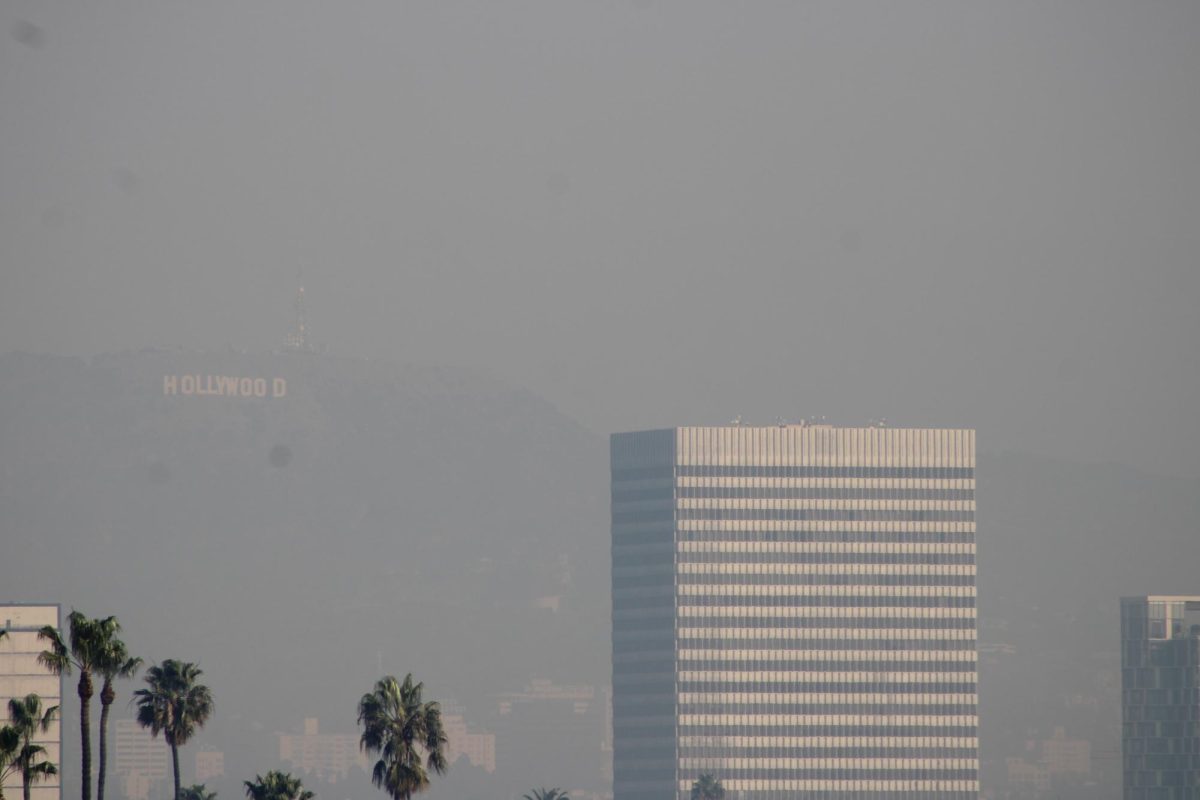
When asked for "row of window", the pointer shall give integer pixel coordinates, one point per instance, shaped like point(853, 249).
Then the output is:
point(798, 665)
point(1161, 697)
point(830, 514)
point(1182, 763)
point(929, 710)
point(820, 471)
point(797, 601)
point(812, 579)
point(824, 584)
point(784, 557)
point(786, 790)
point(844, 774)
point(815, 687)
point(845, 537)
point(668, 472)
point(860, 624)
point(1164, 713)
point(670, 493)
point(1163, 745)
point(753, 643)
point(779, 531)
point(663, 787)
point(1175, 730)
point(808, 751)
point(833, 729)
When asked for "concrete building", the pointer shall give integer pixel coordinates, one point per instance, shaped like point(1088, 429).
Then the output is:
point(794, 612)
point(20, 675)
point(479, 747)
point(1063, 755)
point(1064, 763)
point(328, 756)
point(142, 761)
point(555, 731)
point(1160, 697)
point(209, 764)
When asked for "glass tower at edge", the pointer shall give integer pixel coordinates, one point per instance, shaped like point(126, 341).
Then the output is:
point(794, 612)
point(1160, 697)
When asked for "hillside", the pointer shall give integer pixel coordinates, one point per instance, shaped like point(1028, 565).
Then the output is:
point(377, 518)
point(373, 518)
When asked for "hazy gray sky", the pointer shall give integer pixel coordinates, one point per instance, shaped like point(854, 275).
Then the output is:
point(976, 214)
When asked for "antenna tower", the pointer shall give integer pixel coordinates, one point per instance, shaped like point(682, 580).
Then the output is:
point(298, 338)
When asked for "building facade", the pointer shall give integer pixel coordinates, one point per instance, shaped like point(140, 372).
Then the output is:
point(141, 760)
point(209, 764)
point(21, 675)
point(479, 747)
point(794, 612)
point(555, 731)
point(1160, 697)
point(328, 756)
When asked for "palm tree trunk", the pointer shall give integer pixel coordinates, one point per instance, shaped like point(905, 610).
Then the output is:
point(85, 733)
point(106, 698)
point(175, 764)
point(26, 781)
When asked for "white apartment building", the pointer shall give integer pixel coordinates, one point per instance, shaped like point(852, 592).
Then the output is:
point(20, 675)
point(794, 612)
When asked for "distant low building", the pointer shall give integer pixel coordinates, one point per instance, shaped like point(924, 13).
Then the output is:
point(328, 756)
point(1065, 756)
point(556, 731)
point(478, 746)
point(140, 760)
point(209, 764)
point(1027, 776)
point(1061, 761)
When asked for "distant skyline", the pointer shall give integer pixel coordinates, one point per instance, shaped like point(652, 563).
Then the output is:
point(977, 214)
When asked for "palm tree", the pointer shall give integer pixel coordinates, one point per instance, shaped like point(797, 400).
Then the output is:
point(174, 705)
point(197, 791)
point(400, 728)
point(10, 747)
point(10, 744)
point(113, 662)
point(28, 719)
point(276, 786)
point(707, 787)
point(547, 794)
point(82, 652)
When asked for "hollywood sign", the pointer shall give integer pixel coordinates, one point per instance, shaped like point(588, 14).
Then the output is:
point(223, 386)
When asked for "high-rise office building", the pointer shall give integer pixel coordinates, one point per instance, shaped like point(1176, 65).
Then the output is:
point(794, 612)
point(1160, 697)
point(141, 760)
point(20, 675)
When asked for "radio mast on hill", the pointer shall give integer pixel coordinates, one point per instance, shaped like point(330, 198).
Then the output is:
point(297, 340)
